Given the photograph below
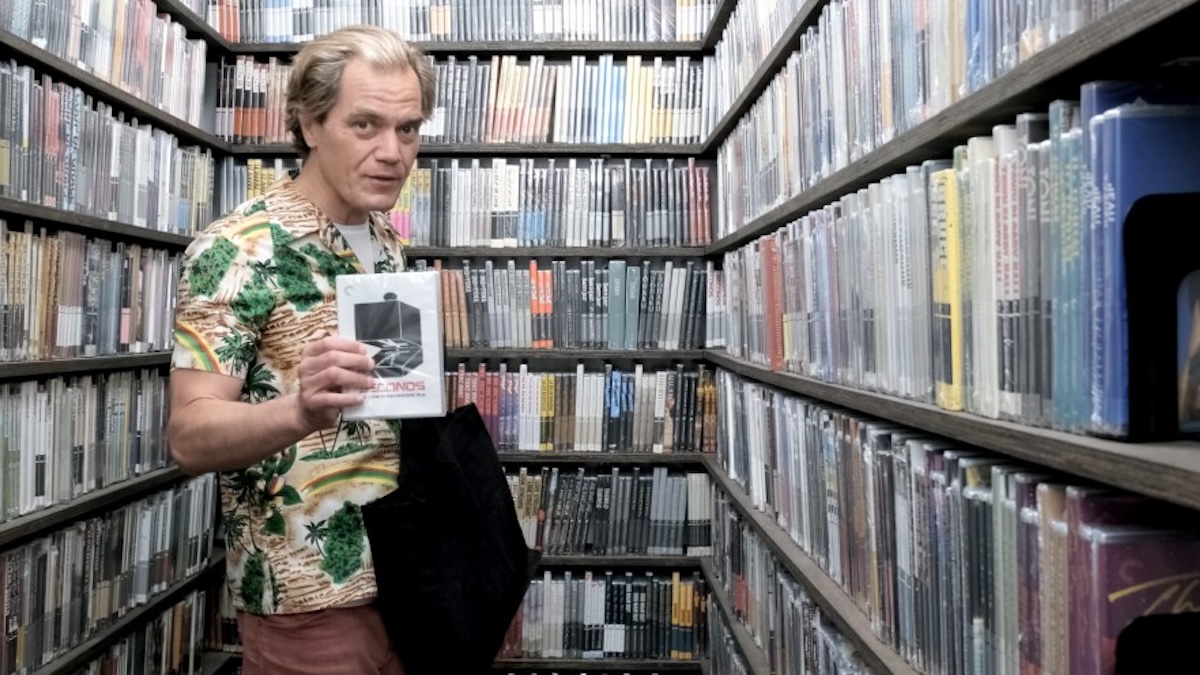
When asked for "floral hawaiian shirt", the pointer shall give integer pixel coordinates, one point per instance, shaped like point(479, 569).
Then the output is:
point(257, 286)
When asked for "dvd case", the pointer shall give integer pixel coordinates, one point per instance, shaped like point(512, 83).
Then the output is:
point(396, 316)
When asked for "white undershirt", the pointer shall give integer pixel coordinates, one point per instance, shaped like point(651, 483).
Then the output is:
point(359, 238)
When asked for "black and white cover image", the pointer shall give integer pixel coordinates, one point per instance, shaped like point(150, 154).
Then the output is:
point(396, 316)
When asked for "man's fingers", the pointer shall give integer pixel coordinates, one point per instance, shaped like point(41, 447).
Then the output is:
point(335, 343)
point(333, 400)
point(333, 379)
point(333, 375)
point(357, 361)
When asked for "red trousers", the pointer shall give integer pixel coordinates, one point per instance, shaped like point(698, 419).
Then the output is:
point(341, 641)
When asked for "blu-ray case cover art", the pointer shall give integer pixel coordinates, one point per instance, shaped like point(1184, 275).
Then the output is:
point(395, 315)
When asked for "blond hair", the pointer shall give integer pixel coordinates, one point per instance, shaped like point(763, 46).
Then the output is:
point(317, 72)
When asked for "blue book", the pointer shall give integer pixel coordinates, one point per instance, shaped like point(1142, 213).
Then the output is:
point(1148, 149)
point(536, 231)
point(616, 304)
point(633, 284)
point(1063, 117)
point(980, 49)
point(1095, 99)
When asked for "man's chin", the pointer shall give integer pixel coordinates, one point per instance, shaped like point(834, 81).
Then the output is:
point(380, 202)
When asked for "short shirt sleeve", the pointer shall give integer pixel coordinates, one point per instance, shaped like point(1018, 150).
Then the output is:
point(223, 301)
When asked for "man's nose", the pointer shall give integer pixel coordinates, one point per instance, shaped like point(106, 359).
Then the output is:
point(388, 149)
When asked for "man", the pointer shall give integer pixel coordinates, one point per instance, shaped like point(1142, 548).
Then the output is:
point(259, 375)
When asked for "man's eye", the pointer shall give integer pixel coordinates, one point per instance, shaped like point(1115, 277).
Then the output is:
point(362, 125)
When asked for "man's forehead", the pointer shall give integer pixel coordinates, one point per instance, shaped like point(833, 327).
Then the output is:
point(381, 110)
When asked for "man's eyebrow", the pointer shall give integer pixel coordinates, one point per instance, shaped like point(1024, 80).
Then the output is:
point(372, 116)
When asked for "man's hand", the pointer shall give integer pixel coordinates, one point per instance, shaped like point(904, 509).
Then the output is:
point(210, 429)
point(333, 373)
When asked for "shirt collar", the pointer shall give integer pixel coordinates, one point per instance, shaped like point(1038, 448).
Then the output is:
point(307, 219)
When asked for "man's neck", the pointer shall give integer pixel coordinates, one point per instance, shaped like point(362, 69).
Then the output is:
point(312, 185)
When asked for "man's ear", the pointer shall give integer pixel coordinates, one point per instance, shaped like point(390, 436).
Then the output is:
point(309, 126)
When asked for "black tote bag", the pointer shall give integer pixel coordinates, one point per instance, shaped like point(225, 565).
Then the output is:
point(450, 558)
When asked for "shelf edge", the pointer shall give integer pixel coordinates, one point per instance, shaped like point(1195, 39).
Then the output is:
point(834, 601)
point(80, 656)
point(60, 70)
point(41, 521)
point(1164, 470)
point(754, 655)
point(96, 227)
point(602, 458)
point(761, 79)
point(13, 370)
point(909, 147)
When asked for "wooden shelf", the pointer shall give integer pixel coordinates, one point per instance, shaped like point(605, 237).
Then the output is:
point(600, 562)
point(775, 59)
point(834, 601)
point(549, 357)
point(718, 24)
point(80, 656)
point(46, 520)
point(14, 370)
point(604, 252)
point(633, 150)
point(1109, 47)
point(489, 48)
point(1168, 471)
point(251, 150)
point(603, 458)
point(90, 225)
point(43, 61)
point(198, 27)
point(601, 665)
point(756, 659)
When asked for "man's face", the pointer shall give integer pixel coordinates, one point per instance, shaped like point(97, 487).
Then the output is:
point(367, 144)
